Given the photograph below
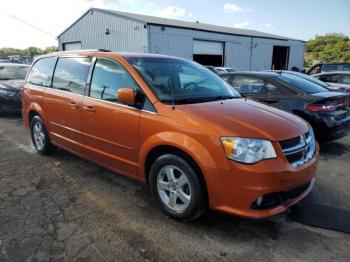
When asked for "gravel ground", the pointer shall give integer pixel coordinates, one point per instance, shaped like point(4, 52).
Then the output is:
point(63, 208)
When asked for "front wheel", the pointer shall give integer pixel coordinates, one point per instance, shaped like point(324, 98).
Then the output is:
point(177, 188)
point(40, 137)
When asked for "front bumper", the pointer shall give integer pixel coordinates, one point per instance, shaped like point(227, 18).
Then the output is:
point(11, 103)
point(236, 191)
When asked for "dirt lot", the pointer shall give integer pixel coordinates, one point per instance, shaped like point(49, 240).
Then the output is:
point(62, 208)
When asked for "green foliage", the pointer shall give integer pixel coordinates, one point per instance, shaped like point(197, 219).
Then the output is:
point(31, 51)
point(330, 48)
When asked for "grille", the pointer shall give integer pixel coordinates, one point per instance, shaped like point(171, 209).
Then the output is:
point(290, 142)
point(299, 150)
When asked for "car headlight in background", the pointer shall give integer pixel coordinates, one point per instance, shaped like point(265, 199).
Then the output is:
point(247, 150)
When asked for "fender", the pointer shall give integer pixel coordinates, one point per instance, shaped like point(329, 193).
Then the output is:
point(200, 153)
point(36, 108)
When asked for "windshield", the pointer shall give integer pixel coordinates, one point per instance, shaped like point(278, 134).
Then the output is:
point(186, 81)
point(310, 78)
point(302, 84)
point(13, 72)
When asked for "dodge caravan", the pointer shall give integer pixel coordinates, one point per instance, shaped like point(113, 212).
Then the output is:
point(175, 125)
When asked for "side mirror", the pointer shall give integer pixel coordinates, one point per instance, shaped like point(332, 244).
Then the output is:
point(126, 96)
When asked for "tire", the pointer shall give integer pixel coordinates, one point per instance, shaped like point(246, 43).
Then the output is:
point(177, 188)
point(40, 137)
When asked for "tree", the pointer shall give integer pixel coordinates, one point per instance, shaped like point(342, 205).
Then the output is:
point(330, 48)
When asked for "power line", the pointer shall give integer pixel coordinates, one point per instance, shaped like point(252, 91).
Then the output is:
point(27, 23)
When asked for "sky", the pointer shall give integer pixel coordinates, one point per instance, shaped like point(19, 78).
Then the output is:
point(38, 22)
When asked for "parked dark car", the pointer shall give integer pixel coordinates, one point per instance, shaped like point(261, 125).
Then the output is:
point(11, 83)
point(336, 81)
point(339, 81)
point(320, 68)
point(328, 112)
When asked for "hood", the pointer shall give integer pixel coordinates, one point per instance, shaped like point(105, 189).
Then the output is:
point(245, 118)
point(12, 84)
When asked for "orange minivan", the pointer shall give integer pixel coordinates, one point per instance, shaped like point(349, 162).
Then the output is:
point(175, 125)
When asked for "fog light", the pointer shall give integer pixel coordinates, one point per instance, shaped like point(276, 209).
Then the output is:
point(259, 201)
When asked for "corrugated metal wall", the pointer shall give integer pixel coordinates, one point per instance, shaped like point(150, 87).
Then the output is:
point(241, 52)
point(126, 35)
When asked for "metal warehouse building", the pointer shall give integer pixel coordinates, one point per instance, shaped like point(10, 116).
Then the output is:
point(207, 44)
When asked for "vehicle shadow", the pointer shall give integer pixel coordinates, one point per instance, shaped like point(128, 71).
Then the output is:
point(332, 150)
point(211, 222)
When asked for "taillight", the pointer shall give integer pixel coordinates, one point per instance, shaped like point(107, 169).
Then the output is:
point(327, 106)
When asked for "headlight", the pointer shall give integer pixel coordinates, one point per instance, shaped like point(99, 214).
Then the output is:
point(247, 150)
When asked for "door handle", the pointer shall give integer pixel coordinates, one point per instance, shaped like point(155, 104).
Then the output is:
point(73, 105)
point(89, 108)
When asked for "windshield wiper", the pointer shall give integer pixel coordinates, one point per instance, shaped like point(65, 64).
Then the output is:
point(198, 99)
point(225, 97)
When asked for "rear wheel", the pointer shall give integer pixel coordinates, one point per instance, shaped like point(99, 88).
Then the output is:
point(177, 188)
point(40, 137)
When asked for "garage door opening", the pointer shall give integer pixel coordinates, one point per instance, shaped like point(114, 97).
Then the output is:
point(280, 57)
point(208, 52)
point(213, 60)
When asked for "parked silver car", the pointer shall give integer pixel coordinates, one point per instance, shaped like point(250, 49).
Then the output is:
point(338, 81)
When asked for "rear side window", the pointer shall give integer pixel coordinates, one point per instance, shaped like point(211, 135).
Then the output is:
point(330, 78)
point(41, 72)
point(71, 74)
point(108, 77)
point(346, 79)
point(346, 68)
point(249, 85)
point(330, 68)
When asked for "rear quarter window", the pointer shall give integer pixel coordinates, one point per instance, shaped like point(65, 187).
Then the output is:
point(41, 72)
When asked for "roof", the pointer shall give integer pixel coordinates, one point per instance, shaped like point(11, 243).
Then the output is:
point(188, 25)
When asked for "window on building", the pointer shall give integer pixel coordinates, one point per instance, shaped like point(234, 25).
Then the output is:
point(41, 72)
point(71, 74)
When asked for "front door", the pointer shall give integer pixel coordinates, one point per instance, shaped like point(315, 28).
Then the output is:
point(62, 102)
point(110, 129)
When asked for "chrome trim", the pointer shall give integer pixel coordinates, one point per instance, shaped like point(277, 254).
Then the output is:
point(307, 146)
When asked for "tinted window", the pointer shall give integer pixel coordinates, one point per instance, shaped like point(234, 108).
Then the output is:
point(330, 68)
point(329, 78)
point(346, 68)
point(302, 84)
point(346, 79)
point(272, 89)
point(13, 72)
point(310, 78)
point(41, 72)
point(108, 77)
point(183, 80)
point(71, 74)
point(249, 85)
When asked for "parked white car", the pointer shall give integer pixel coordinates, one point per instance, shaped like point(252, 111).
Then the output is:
point(338, 81)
